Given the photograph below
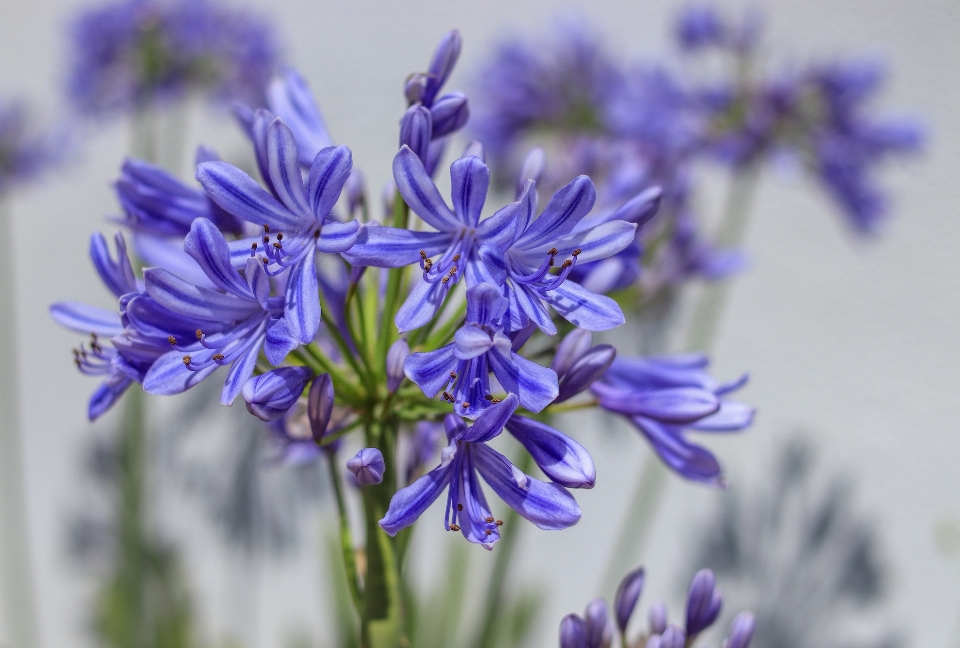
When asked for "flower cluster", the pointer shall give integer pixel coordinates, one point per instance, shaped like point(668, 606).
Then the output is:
point(23, 154)
point(135, 52)
point(237, 266)
point(597, 627)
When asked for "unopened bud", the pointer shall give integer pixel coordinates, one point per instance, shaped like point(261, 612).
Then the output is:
point(599, 631)
point(356, 194)
point(672, 637)
point(270, 395)
point(532, 169)
point(416, 130)
point(741, 631)
point(657, 616)
point(320, 406)
point(444, 59)
point(398, 353)
point(703, 602)
point(414, 87)
point(571, 348)
point(573, 632)
point(450, 112)
point(368, 466)
point(591, 365)
point(628, 593)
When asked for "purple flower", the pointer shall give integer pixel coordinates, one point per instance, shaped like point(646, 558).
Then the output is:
point(699, 27)
point(270, 395)
point(135, 52)
point(741, 631)
point(460, 234)
point(423, 447)
point(367, 466)
point(547, 505)
point(296, 223)
point(573, 632)
point(396, 357)
point(628, 593)
point(461, 370)
point(599, 630)
point(232, 323)
point(23, 154)
point(703, 602)
point(524, 262)
point(155, 202)
point(665, 396)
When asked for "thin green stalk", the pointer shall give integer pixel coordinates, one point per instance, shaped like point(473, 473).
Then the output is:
point(506, 549)
point(16, 588)
point(388, 332)
point(570, 407)
point(348, 353)
point(645, 502)
point(320, 363)
point(444, 334)
point(346, 540)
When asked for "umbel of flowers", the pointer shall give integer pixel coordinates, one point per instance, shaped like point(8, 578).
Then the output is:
point(421, 326)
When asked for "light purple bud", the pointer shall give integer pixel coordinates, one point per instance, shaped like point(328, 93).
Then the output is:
point(573, 632)
point(414, 87)
point(672, 637)
point(475, 148)
point(703, 602)
point(368, 466)
point(641, 208)
point(599, 632)
point(532, 169)
point(450, 112)
point(741, 631)
point(320, 406)
point(396, 356)
point(444, 59)
point(593, 364)
point(356, 193)
point(628, 593)
point(657, 615)
point(653, 641)
point(269, 396)
point(416, 129)
point(573, 345)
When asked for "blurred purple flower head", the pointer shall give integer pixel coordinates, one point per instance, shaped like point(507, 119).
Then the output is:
point(136, 52)
point(23, 153)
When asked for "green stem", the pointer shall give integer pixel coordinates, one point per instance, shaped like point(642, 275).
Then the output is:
point(346, 540)
point(506, 550)
point(645, 502)
point(388, 332)
point(347, 352)
point(16, 587)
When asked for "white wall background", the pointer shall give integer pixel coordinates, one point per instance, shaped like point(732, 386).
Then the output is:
point(856, 343)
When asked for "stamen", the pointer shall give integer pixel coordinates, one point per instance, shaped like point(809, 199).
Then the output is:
point(218, 357)
point(447, 396)
point(279, 236)
point(553, 252)
point(423, 255)
point(456, 257)
point(499, 522)
point(453, 375)
point(186, 361)
point(454, 527)
point(459, 507)
point(566, 264)
point(199, 334)
point(488, 520)
point(576, 252)
point(465, 405)
point(253, 249)
point(488, 397)
point(266, 228)
point(266, 239)
point(277, 245)
point(172, 340)
point(445, 279)
point(488, 531)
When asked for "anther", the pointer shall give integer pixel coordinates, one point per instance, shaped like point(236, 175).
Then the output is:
point(279, 236)
point(266, 228)
point(553, 252)
point(459, 507)
point(495, 400)
point(456, 257)
point(265, 260)
point(499, 522)
point(454, 527)
point(447, 397)
point(218, 357)
point(488, 520)
point(186, 361)
point(453, 271)
point(316, 234)
point(488, 531)
point(465, 405)
point(453, 374)
point(199, 334)
point(566, 264)
point(488, 397)
point(423, 255)
point(277, 245)
point(172, 340)
point(445, 279)
point(576, 252)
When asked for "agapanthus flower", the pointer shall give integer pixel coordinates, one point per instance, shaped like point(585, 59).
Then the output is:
point(135, 52)
point(23, 153)
point(701, 26)
point(523, 263)
point(270, 395)
point(367, 466)
point(460, 234)
point(665, 397)
point(296, 223)
point(546, 504)
point(461, 370)
point(232, 323)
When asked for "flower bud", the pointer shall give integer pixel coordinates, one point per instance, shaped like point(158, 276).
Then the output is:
point(450, 112)
point(396, 356)
point(573, 632)
point(628, 593)
point(368, 466)
point(320, 406)
point(599, 632)
point(271, 394)
point(414, 87)
point(416, 130)
point(703, 602)
point(673, 637)
point(593, 364)
point(354, 189)
point(657, 615)
point(532, 169)
point(444, 59)
point(573, 345)
point(641, 208)
point(653, 641)
point(741, 631)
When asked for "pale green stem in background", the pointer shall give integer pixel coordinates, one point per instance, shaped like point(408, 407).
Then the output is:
point(651, 485)
point(16, 578)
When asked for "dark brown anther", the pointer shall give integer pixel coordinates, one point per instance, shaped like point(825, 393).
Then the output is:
point(277, 245)
point(459, 507)
point(316, 234)
point(566, 264)
point(427, 265)
point(266, 239)
point(553, 252)
point(253, 246)
point(423, 255)
point(551, 262)
point(454, 527)
point(453, 375)
point(488, 397)
point(172, 340)
point(465, 405)
point(186, 361)
point(488, 520)
point(456, 257)
point(445, 279)
point(499, 522)
point(266, 228)
point(199, 334)
point(495, 400)
point(453, 271)
point(265, 260)
point(279, 236)
point(577, 252)
point(447, 397)
point(218, 357)
point(488, 531)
